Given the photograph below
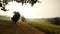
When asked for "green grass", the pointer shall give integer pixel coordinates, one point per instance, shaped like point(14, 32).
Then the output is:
point(5, 21)
point(45, 26)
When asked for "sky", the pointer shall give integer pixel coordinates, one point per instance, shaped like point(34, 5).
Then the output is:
point(46, 9)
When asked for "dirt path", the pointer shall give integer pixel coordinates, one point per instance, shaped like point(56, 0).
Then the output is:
point(19, 28)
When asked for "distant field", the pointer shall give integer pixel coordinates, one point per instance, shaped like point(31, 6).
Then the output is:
point(45, 26)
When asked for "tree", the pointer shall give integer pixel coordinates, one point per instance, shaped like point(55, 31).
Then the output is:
point(0, 4)
point(56, 21)
point(5, 2)
point(23, 18)
point(3, 8)
point(32, 2)
point(15, 17)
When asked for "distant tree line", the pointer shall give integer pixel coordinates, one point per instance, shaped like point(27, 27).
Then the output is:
point(55, 20)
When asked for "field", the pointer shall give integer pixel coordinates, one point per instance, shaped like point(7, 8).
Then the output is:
point(8, 27)
point(39, 26)
point(45, 26)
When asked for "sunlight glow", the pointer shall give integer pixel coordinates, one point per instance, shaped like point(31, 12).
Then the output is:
point(14, 6)
point(46, 9)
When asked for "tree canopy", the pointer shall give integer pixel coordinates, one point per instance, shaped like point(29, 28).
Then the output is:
point(16, 17)
point(5, 2)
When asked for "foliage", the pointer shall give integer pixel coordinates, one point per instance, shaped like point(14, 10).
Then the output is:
point(3, 3)
point(16, 17)
point(23, 18)
point(55, 20)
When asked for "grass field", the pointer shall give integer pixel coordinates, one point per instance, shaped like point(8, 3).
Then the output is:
point(41, 25)
point(45, 26)
point(5, 21)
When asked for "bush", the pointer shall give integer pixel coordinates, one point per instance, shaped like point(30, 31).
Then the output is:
point(23, 18)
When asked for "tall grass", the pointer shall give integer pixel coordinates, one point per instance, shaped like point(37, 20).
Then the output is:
point(5, 21)
point(46, 27)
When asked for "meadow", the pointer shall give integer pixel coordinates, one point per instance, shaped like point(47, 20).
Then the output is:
point(40, 24)
point(45, 26)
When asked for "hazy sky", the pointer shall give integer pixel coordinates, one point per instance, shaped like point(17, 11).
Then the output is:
point(48, 8)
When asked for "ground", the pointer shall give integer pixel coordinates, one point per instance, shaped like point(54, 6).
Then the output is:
point(18, 28)
point(36, 26)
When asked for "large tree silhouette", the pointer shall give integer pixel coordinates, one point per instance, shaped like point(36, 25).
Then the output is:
point(15, 17)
